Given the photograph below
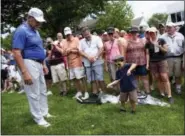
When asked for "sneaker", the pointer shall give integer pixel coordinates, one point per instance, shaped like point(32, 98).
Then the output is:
point(86, 96)
point(161, 96)
point(11, 92)
point(49, 93)
point(101, 94)
point(49, 116)
point(43, 123)
point(4, 91)
point(171, 100)
point(20, 92)
point(152, 88)
point(133, 112)
point(122, 110)
point(78, 94)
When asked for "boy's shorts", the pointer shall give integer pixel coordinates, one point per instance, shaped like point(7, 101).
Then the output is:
point(131, 95)
point(141, 70)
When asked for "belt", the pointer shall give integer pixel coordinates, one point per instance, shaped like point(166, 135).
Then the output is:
point(39, 61)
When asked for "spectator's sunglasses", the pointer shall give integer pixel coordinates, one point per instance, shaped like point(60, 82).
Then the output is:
point(110, 34)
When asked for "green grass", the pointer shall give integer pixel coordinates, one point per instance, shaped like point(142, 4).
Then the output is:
point(74, 118)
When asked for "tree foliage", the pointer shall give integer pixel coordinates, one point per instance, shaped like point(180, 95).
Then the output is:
point(6, 43)
point(157, 18)
point(117, 14)
point(58, 13)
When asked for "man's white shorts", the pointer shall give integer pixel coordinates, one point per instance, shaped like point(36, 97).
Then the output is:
point(58, 73)
point(76, 73)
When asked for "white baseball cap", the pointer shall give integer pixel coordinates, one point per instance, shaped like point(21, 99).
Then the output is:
point(105, 33)
point(122, 31)
point(67, 30)
point(170, 24)
point(152, 29)
point(37, 14)
point(49, 39)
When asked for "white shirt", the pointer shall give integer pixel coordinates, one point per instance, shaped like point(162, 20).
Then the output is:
point(91, 48)
point(175, 43)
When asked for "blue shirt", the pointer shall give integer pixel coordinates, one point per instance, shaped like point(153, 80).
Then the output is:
point(29, 42)
point(127, 83)
point(141, 35)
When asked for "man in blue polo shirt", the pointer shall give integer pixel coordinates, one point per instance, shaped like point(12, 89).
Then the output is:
point(29, 55)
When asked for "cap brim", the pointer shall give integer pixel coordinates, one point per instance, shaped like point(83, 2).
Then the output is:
point(170, 25)
point(152, 31)
point(134, 31)
point(110, 32)
point(67, 32)
point(40, 19)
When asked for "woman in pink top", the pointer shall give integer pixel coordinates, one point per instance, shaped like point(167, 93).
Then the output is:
point(111, 51)
point(136, 53)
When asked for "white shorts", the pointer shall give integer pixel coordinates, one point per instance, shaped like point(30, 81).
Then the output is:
point(77, 73)
point(58, 73)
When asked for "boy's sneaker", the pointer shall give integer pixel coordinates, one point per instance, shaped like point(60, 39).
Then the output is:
point(64, 93)
point(122, 110)
point(133, 112)
point(171, 100)
point(86, 96)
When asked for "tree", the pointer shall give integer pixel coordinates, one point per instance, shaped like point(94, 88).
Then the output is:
point(157, 18)
point(58, 13)
point(6, 42)
point(117, 14)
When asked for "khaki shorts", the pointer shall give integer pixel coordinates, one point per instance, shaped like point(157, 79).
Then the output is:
point(174, 67)
point(112, 70)
point(159, 67)
point(131, 95)
point(76, 73)
point(58, 73)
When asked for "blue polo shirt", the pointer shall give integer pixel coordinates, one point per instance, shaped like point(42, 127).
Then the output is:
point(29, 42)
point(127, 83)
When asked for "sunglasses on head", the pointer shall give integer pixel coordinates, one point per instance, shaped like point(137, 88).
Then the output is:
point(110, 33)
point(116, 61)
point(134, 32)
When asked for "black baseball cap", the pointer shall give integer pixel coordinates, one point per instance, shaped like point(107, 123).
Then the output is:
point(134, 29)
point(110, 30)
point(118, 58)
point(161, 25)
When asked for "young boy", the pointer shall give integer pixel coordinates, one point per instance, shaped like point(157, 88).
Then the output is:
point(127, 81)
